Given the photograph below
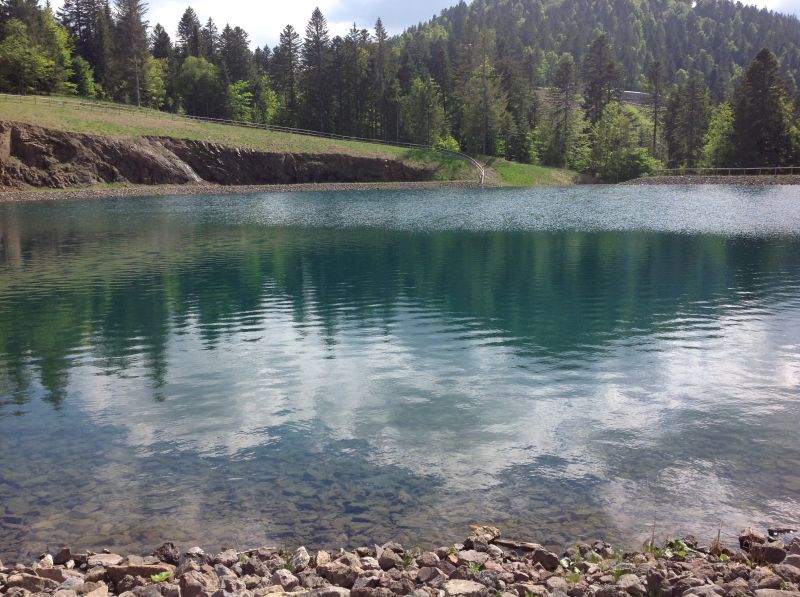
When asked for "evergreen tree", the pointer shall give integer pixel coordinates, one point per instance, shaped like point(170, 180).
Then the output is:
point(160, 43)
point(602, 77)
point(563, 94)
point(235, 56)
point(131, 52)
point(316, 61)
point(209, 42)
point(188, 38)
point(422, 113)
point(285, 73)
point(686, 123)
point(656, 81)
point(762, 116)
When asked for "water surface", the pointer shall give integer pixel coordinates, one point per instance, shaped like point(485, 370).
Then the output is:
point(343, 368)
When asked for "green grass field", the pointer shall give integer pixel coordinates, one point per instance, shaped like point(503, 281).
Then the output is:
point(73, 115)
point(65, 114)
point(514, 174)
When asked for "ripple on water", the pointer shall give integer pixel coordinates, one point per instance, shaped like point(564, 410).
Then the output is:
point(346, 368)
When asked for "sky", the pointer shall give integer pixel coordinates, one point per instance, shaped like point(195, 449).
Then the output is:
point(264, 19)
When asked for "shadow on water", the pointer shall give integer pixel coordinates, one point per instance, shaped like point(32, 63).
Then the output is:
point(180, 369)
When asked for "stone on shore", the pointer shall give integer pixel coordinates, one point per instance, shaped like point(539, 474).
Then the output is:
point(464, 588)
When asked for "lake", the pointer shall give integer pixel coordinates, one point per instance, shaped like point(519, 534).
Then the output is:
point(337, 369)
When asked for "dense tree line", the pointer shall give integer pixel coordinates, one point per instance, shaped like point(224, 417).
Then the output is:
point(532, 80)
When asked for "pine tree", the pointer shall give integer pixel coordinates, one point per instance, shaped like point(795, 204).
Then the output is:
point(285, 73)
point(602, 76)
point(188, 38)
point(132, 49)
point(762, 116)
point(564, 91)
point(656, 81)
point(235, 55)
point(316, 60)
point(103, 46)
point(160, 43)
point(209, 42)
point(686, 122)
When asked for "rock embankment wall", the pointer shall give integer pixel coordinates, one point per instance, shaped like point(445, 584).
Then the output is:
point(39, 157)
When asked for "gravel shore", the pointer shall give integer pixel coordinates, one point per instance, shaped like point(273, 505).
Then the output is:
point(748, 181)
point(484, 565)
point(13, 195)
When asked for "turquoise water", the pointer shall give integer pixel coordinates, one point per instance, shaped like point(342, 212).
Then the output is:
point(338, 369)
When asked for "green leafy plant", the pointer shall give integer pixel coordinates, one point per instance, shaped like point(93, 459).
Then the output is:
point(451, 550)
point(594, 558)
point(161, 577)
point(724, 557)
point(474, 568)
point(408, 559)
point(244, 557)
point(617, 573)
point(574, 577)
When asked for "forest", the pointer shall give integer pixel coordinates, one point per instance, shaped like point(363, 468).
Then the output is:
point(611, 88)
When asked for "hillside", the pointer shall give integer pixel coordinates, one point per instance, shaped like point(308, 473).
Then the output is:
point(357, 160)
point(713, 39)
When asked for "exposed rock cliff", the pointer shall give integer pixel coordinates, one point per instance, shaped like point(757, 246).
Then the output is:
point(39, 157)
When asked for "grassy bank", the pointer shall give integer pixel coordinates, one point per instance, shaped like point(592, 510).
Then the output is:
point(514, 174)
point(73, 116)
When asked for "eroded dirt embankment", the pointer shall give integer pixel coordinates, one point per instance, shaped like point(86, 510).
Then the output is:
point(38, 157)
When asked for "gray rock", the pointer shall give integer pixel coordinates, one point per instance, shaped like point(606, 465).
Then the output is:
point(432, 576)
point(427, 558)
point(62, 557)
point(749, 536)
point(57, 574)
point(167, 552)
point(285, 579)
point(792, 560)
point(322, 557)
point(557, 583)
point(223, 571)
point(233, 585)
point(104, 559)
point(65, 593)
point(370, 563)
point(330, 592)
point(32, 583)
point(547, 559)
point(194, 583)
point(707, 590)
point(389, 559)
point(339, 574)
point(470, 556)
point(300, 559)
point(775, 593)
point(495, 551)
point(787, 572)
point(148, 591)
point(73, 583)
point(768, 554)
point(227, 558)
point(631, 584)
point(464, 588)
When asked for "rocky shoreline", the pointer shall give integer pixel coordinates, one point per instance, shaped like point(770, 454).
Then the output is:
point(734, 180)
point(484, 565)
point(17, 195)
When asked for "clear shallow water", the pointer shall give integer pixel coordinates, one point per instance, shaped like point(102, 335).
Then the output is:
point(345, 368)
